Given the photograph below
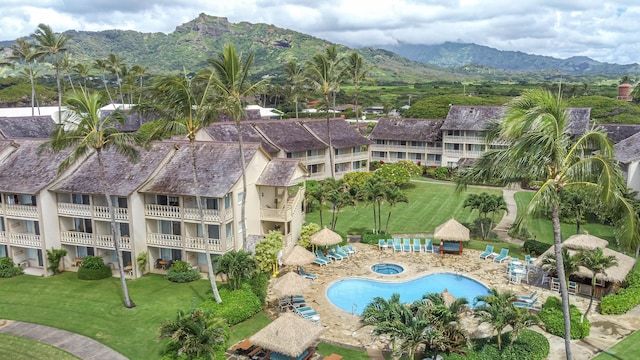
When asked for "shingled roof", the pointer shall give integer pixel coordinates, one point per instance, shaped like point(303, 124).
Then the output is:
point(123, 177)
point(343, 135)
point(133, 119)
point(407, 129)
point(475, 117)
point(39, 127)
point(289, 135)
point(27, 170)
point(628, 150)
point(218, 166)
point(228, 132)
point(279, 172)
point(619, 132)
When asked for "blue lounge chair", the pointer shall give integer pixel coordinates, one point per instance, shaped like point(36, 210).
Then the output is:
point(306, 274)
point(397, 246)
point(351, 249)
point(487, 252)
point(321, 256)
point(382, 244)
point(528, 298)
point(531, 305)
point(572, 288)
point(319, 261)
point(406, 245)
point(428, 245)
point(417, 247)
point(555, 284)
point(504, 254)
point(331, 253)
point(340, 251)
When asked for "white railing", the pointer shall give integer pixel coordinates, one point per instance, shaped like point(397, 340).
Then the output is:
point(74, 209)
point(22, 210)
point(207, 214)
point(283, 214)
point(3, 237)
point(229, 243)
point(198, 243)
point(315, 159)
point(164, 240)
point(343, 157)
point(162, 211)
point(106, 241)
point(103, 212)
point(228, 214)
point(453, 152)
point(25, 239)
point(76, 238)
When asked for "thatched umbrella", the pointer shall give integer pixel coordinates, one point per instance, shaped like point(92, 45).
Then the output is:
point(452, 231)
point(290, 284)
point(584, 241)
point(447, 297)
point(298, 256)
point(289, 334)
point(325, 237)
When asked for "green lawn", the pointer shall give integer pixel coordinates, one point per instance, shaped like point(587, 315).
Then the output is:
point(543, 229)
point(248, 327)
point(19, 348)
point(95, 308)
point(430, 204)
point(625, 349)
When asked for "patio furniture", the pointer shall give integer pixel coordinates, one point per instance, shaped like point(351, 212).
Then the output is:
point(306, 274)
point(528, 298)
point(77, 261)
point(397, 246)
point(321, 256)
point(572, 288)
point(555, 284)
point(351, 249)
point(504, 254)
point(487, 252)
point(382, 244)
point(545, 278)
point(451, 247)
point(417, 247)
point(340, 251)
point(533, 305)
point(428, 245)
point(320, 262)
point(331, 253)
point(406, 245)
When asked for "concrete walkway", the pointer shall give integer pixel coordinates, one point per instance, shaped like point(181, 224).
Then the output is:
point(78, 345)
point(502, 229)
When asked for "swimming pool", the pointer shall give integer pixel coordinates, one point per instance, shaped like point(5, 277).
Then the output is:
point(353, 294)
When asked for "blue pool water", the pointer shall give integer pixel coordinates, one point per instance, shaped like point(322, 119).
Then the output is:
point(387, 269)
point(352, 295)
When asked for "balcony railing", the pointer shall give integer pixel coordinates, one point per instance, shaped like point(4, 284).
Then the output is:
point(76, 238)
point(106, 241)
point(286, 212)
point(165, 211)
point(315, 159)
point(103, 212)
point(80, 210)
point(31, 240)
point(208, 214)
point(165, 240)
point(198, 243)
point(3, 238)
point(29, 211)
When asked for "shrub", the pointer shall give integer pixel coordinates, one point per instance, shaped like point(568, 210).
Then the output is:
point(625, 299)
point(551, 316)
point(93, 268)
point(54, 256)
point(440, 173)
point(535, 247)
point(181, 272)
point(305, 234)
point(371, 238)
point(8, 268)
point(236, 306)
point(530, 345)
point(259, 283)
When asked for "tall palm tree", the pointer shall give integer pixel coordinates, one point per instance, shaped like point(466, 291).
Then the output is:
point(116, 66)
point(444, 333)
point(195, 335)
point(382, 314)
point(537, 144)
point(83, 71)
point(570, 263)
point(237, 265)
point(140, 72)
point(66, 66)
point(496, 310)
point(295, 79)
point(102, 66)
point(393, 196)
point(358, 73)
point(182, 105)
point(25, 51)
point(596, 261)
point(231, 84)
point(50, 44)
point(84, 131)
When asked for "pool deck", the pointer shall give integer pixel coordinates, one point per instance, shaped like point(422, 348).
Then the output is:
point(344, 328)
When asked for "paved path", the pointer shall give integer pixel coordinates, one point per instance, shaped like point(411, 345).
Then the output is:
point(502, 229)
point(81, 346)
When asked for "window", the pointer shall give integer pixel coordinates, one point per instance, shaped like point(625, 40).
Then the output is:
point(454, 147)
point(475, 147)
point(416, 156)
point(342, 167)
point(2, 228)
point(417, 143)
point(83, 251)
point(213, 231)
point(3, 251)
point(124, 229)
point(80, 199)
point(313, 169)
point(240, 226)
point(434, 157)
point(381, 154)
point(210, 203)
point(341, 151)
point(240, 197)
point(119, 202)
point(356, 149)
point(452, 164)
point(355, 165)
point(379, 142)
point(228, 229)
point(227, 201)
point(169, 227)
point(454, 132)
point(32, 227)
point(313, 152)
point(82, 225)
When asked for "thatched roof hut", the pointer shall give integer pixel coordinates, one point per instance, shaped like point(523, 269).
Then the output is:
point(298, 256)
point(291, 284)
point(325, 237)
point(289, 334)
point(452, 230)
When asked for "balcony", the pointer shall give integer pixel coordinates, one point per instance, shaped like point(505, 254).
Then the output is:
point(106, 241)
point(315, 159)
point(102, 212)
point(78, 210)
point(286, 212)
point(76, 238)
point(30, 240)
point(3, 238)
point(198, 243)
point(165, 240)
point(28, 211)
point(163, 211)
point(208, 214)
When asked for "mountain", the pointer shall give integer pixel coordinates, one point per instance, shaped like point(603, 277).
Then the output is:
point(453, 54)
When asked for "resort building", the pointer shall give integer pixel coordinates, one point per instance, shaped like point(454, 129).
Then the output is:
point(627, 153)
point(417, 140)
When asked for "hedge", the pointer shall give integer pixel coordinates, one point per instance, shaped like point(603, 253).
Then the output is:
point(535, 247)
point(551, 316)
point(8, 268)
point(259, 283)
point(625, 300)
point(530, 345)
point(85, 273)
point(236, 306)
point(372, 239)
point(181, 272)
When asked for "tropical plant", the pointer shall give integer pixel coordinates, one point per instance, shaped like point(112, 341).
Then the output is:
point(444, 333)
point(373, 191)
point(8, 268)
point(266, 255)
point(397, 175)
point(194, 334)
point(25, 51)
point(337, 193)
point(358, 73)
point(393, 196)
point(182, 105)
point(315, 194)
point(570, 263)
point(382, 314)
point(295, 79)
point(85, 131)
point(102, 66)
point(54, 256)
point(496, 309)
point(231, 85)
point(538, 144)
point(576, 203)
point(50, 44)
point(485, 204)
point(182, 272)
point(305, 234)
point(597, 262)
point(237, 265)
point(521, 319)
point(142, 260)
point(117, 67)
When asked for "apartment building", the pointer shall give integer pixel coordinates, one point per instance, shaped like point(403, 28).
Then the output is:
point(417, 140)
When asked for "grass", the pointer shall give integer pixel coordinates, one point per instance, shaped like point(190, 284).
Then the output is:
point(625, 349)
point(95, 308)
point(249, 327)
point(19, 348)
point(542, 228)
point(325, 349)
point(431, 204)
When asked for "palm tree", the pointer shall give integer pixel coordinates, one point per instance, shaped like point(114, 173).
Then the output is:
point(570, 263)
point(497, 310)
point(83, 71)
point(358, 73)
point(382, 314)
point(394, 195)
point(537, 144)
point(237, 265)
point(116, 65)
point(411, 325)
point(195, 335)
point(85, 131)
point(140, 72)
point(182, 106)
point(23, 50)
point(598, 263)
point(103, 68)
point(521, 319)
point(315, 193)
point(66, 65)
point(295, 79)
point(232, 85)
point(50, 44)
point(444, 333)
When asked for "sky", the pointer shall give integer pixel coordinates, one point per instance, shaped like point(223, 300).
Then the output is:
point(600, 29)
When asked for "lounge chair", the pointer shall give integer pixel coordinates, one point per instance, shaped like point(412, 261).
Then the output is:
point(555, 284)
point(351, 249)
point(382, 244)
point(528, 298)
point(306, 274)
point(406, 245)
point(487, 252)
point(417, 247)
point(532, 305)
point(504, 255)
point(428, 245)
point(321, 256)
point(572, 288)
point(390, 243)
point(320, 261)
point(397, 246)
point(331, 253)
point(340, 251)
